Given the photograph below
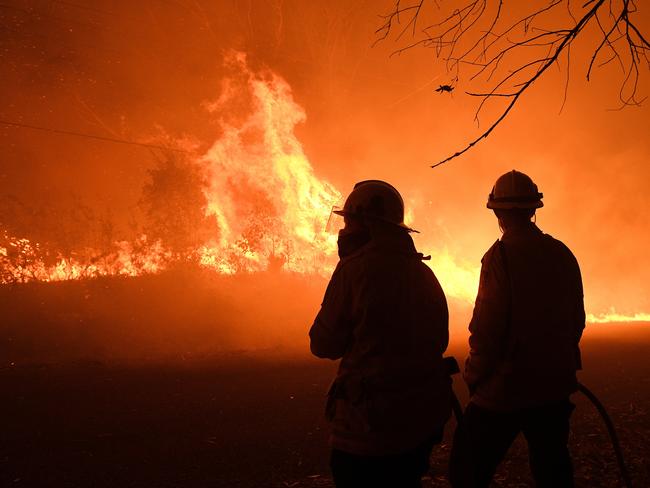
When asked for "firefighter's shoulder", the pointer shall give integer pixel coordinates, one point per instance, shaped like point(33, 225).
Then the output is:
point(561, 248)
point(348, 262)
point(493, 254)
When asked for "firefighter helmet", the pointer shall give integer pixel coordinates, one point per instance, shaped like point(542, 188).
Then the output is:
point(375, 199)
point(514, 190)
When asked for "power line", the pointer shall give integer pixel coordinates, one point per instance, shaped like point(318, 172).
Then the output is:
point(83, 7)
point(93, 136)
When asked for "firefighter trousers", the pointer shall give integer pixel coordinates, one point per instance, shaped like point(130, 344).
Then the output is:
point(484, 436)
point(403, 470)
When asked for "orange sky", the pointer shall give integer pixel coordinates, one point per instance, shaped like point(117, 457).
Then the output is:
point(136, 69)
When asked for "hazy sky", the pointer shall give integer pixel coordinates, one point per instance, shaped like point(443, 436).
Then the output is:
point(136, 70)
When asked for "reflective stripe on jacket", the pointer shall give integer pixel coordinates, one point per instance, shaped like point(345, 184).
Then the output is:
point(527, 322)
point(385, 315)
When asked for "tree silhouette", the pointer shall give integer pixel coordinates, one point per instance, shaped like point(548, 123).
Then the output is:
point(505, 50)
point(174, 204)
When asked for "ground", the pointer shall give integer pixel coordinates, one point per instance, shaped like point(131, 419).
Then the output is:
point(255, 420)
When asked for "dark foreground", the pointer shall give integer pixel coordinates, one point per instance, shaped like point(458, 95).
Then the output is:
point(255, 421)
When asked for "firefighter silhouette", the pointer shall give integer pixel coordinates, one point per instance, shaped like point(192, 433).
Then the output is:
point(385, 316)
point(524, 334)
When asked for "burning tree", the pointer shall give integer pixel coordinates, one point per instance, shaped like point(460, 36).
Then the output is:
point(500, 52)
point(175, 205)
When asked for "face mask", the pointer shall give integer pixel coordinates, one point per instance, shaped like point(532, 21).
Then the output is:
point(349, 243)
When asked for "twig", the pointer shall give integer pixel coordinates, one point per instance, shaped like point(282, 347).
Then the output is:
point(493, 51)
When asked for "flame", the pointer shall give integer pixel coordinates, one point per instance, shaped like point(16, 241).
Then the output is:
point(459, 281)
point(614, 316)
point(270, 207)
point(263, 192)
point(21, 261)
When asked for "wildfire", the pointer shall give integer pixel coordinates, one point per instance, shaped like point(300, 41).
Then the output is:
point(459, 282)
point(614, 316)
point(22, 261)
point(271, 209)
point(263, 192)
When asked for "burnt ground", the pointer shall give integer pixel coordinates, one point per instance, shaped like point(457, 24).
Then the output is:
point(254, 420)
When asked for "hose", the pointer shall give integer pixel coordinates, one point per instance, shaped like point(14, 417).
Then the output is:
point(456, 408)
point(451, 366)
point(625, 475)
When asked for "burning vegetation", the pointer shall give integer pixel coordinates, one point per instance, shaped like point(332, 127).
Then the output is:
point(250, 203)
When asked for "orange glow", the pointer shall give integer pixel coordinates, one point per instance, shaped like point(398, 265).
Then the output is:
point(458, 281)
point(270, 206)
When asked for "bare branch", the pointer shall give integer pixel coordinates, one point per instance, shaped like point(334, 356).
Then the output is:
point(603, 43)
point(548, 63)
point(493, 52)
point(568, 76)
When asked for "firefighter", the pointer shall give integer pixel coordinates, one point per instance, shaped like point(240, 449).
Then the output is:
point(524, 334)
point(385, 316)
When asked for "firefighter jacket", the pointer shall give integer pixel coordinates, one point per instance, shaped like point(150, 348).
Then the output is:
point(385, 315)
point(528, 319)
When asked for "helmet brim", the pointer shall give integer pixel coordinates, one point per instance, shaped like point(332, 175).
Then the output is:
point(510, 205)
point(407, 228)
point(402, 225)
